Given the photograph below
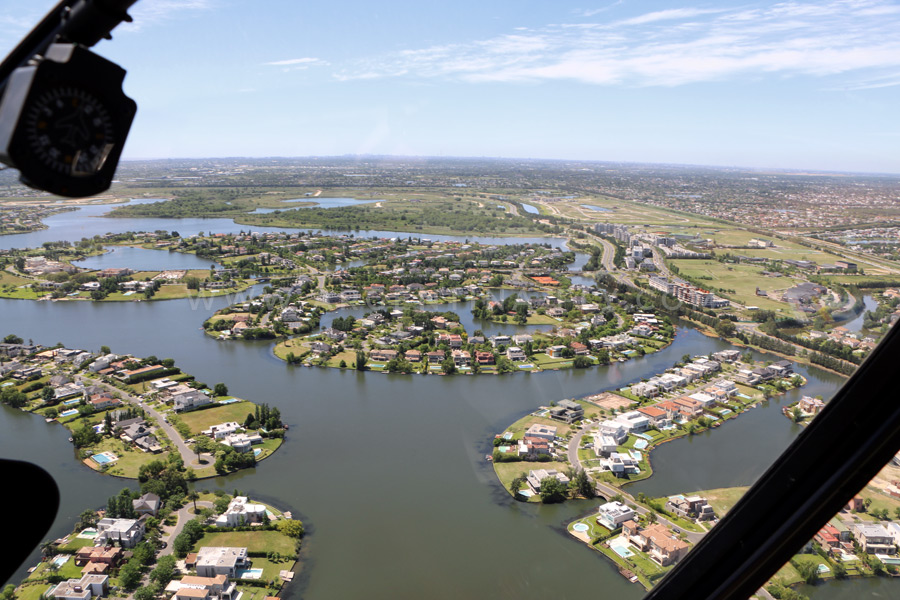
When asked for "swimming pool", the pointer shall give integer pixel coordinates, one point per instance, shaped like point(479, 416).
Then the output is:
point(580, 527)
point(104, 458)
point(249, 573)
point(640, 444)
point(68, 413)
point(620, 548)
point(72, 401)
point(59, 561)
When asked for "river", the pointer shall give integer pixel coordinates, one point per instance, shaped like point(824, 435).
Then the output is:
point(854, 326)
point(88, 221)
point(388, 471)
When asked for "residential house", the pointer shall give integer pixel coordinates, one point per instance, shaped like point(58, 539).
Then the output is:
point(461, 358)
point(190, 400)
point(89, 586)
point(657, 416)
point(516, 354)
point(537, 430)
point(645, 389)
point(620, 464)
point(383, 355)
point(126, 532)
point(691, 507)
point(148, 504)
point(567, 411)
point(875, 539)
point(484, 358)
point(634, 421)
point(218, 432)
point(219, 560)
point(612, 514)
point(657, 541)
point(192, 587)
point(241, 511)
point(536, 476)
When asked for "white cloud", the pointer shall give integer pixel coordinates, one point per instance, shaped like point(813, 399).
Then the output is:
point(670, 47)
point(293, 61)
point(151, 12)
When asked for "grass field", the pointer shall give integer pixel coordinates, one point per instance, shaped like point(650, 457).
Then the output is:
point(200, 420)
point(507, 471)
point(722, 499)
point(742, 278)
point(254, 541)
point(130, 458)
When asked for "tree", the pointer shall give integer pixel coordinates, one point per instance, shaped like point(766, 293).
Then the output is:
point(220, 390)
point(583, 484)
point(105, 350)
point(87, 518)
point(193, 496)
point(13, 339)
point(8, 593)
point(148, 592)
point(130, 574)
point(164, 571)
point(552, 490)
point(47, 394)
point(182, 545)
point(361, 360)
point(290, 527)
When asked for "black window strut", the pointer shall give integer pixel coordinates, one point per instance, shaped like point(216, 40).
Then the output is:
point(842, 449)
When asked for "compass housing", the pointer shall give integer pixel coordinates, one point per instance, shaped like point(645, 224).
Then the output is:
point(64, 121)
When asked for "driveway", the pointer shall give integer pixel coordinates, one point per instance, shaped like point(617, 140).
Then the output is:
point(170, 533)
point(187, 455)
point(608, 491)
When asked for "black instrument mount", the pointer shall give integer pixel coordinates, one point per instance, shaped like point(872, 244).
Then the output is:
point(63, 115)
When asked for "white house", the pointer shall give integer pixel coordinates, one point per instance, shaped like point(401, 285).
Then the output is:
point(612, 514)
point(241, 511)
point(222, 430)
point(127, 532)
point(220, 560)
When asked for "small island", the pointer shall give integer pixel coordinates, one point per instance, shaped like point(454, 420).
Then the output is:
point(131, 416)
point(609, 436)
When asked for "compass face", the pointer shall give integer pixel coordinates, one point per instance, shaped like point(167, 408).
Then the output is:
point(69, 130)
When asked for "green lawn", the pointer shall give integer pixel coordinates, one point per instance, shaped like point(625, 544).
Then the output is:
point(722, 499)
point(130, 458)
point(254, 541)
point(32, 591)
point(742, 278)
point(595, 530)
point(199, 420)
point(507, 471)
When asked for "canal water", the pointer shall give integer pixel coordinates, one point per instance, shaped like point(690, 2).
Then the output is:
point(88, 221)
point(388, 471)
point(856, 324)
point(142, 259)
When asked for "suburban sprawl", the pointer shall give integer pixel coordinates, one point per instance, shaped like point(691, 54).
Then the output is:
point(455, 268)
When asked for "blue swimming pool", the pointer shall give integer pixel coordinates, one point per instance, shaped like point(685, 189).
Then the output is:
point(68, 413)
point(621, 549)
point(103, 458)
point(249, 573)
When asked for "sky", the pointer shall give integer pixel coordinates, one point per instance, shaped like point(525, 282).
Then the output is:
point(786, 85)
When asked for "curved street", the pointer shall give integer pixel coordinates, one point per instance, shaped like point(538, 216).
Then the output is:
point(608, 491)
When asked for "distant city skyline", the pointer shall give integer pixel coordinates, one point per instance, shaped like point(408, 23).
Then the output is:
point(761, 85)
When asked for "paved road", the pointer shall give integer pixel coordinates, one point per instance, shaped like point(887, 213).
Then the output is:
point(170, 533)
point(608, 491)
point(187, 455)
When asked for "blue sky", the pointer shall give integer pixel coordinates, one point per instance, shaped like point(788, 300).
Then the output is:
point(797, 85)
